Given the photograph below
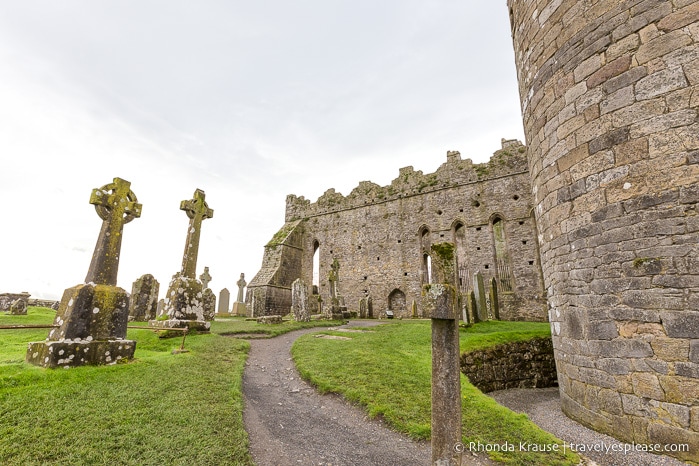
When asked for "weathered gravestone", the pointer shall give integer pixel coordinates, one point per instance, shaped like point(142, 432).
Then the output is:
point(479, 291)
point(161, 306)
point(184, 302)
point(413, 310)
point(144, 298)
point(224, 299)
point(209, 299)
point(6, 299)
point(299, 301)
point(19, 307)
point(473, 307)
point(494, 299)
point(91, 319)
point(440, 303)
point(363, 308)
point(239, 308)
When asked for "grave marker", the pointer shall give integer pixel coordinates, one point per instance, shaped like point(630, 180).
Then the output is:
point(144, 299)
point(92, 317)
point(239, 307)
point(184, 302)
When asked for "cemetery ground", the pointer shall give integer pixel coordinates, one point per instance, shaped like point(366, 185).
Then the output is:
point(187, 408)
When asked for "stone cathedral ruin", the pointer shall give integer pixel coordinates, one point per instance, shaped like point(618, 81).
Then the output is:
point(381, 237)
point(593, 226)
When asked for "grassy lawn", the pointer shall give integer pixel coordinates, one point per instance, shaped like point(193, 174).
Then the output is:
point(238, 326)
point(387, 369)
point(180, 409)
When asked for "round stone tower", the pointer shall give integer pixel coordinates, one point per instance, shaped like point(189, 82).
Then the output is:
point(610, 96)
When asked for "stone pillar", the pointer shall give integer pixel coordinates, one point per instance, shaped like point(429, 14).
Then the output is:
point(610, 96)
point(91, 319)
point(144, 299)
point(440, 304)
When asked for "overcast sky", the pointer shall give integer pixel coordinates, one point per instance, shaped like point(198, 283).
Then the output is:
point(246, 100)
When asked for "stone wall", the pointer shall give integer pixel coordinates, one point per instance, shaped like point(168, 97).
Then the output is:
point(521, 364)
point(380, 236)
point(269, 292)
point(609, 93)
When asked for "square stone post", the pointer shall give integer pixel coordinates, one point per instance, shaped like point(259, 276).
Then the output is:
point(440, 301)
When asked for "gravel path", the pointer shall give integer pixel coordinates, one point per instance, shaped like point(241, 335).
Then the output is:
point(543, 406)
point(289, 423)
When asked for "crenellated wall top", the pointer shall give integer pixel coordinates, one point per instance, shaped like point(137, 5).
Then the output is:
point(509, 160)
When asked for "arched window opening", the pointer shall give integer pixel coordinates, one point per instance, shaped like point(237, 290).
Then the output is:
point(426, 269)
point(316, 265)
point(502, 260)
point(461, 258)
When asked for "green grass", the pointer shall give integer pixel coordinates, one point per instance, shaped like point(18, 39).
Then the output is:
point(159, 409)
point(388, 371)
point(232, 326)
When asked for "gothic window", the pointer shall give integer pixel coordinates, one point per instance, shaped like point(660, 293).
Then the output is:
point(502, 259)
point(316, 264)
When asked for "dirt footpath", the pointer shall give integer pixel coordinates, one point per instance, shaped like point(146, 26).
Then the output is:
point(289, 423)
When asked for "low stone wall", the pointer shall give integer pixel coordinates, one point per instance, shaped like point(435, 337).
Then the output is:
point(522, 364)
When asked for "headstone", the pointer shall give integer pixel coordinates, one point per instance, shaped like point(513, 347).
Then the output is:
point(239, 306)
point(224, 298)
point(299, 301)
point(184, 302)
point(369, 307)
point(91, 319)
point(144, 299)
point(205, 278)
point(441, 305)
point(363, 308)
point(6, 299)
point(161, 306)
point(479, 291)
point(413, 308)
point(209, 299)
point(494, 298)
point(473, 307)
point(19, 307)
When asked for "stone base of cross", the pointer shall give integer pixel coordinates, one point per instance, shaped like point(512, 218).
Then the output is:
point(240, 309)
point(90, 329)
point(184, 306)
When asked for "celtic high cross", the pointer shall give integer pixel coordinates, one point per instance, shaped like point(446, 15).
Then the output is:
point(197, 210)
point(116, 205)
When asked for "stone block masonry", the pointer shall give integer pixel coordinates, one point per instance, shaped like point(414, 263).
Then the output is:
point(381, 237)
point(610, 100)
point(521, 364)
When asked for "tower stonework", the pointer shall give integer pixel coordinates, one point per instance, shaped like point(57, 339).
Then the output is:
point(609, 94)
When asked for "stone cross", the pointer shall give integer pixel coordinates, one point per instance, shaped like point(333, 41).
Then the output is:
point(241, 285)
point(116, 205)
point(197, 210)
point(205, 278)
